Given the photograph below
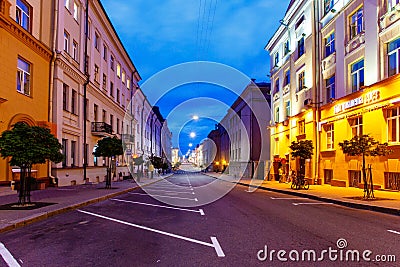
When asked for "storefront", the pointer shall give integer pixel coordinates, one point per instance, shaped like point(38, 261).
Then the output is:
point(375, 111)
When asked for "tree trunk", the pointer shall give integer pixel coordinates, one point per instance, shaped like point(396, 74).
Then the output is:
point(108, 177)
point(364, 176)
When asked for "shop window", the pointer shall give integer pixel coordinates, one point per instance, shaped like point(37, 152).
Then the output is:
point(329, 130)
point(301, 124)
point(356, 125)
point(393, 116)
point(328, 176)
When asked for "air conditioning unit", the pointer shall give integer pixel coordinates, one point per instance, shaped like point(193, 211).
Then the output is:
point(307, 102)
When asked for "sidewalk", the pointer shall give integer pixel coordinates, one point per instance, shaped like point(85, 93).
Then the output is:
point(386, 201)
point(62, 199)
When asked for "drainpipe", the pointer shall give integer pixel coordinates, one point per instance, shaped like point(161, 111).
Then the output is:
point(86, 69)
point(317, 41)
point(52, 67)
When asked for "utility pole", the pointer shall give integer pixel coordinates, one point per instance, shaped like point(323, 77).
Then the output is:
point(86, 66)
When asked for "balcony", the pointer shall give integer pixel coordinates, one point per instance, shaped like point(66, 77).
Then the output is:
point(357, 41)
point(389, 18)
point(328, 65)
point(101, 129)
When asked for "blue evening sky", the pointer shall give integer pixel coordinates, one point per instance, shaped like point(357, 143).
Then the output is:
point(160, 34)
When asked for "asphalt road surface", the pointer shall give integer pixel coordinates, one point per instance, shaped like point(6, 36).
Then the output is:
point(239, 229)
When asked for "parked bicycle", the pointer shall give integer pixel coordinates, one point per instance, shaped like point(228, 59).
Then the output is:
point(299, 182)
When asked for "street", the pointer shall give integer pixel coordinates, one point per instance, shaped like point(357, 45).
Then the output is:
point(137, 230)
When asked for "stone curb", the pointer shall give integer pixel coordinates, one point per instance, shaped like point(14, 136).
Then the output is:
point(44, 215)
point(391, 211)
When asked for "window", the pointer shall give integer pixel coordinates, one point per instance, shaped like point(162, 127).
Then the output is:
point(65, 97)
point(66, 41)
point(87, 60)
point(73, 152)
point(123, 101)
point(277, 114)
point(111, 89)
point(299, 22)
point(96, 41)
point(356, 125)
point(104, 115)
point(117, 126)
point(24, 77)
point(301, 80)
point(96, 73)
point(300, 47)
point(287, 109)
point(119, 70)
point(276, 59)
point(276, 88)
point(286, 48)
point(357, 23)
point(66, 4)
point(394, 57)
point(76, 11)
point(89, 25)
point(112, 62)
point(287, 78)
point(392, 4)
point(64, 143)
point(330, 44)
point(104, 81)
point(357, 75)
point(95, 112)
point(74, 108)
point(75, 50)
point(104, 52)
point(118, 96)
point(111, 120)
point(328, 4)
point(128, 83)
point(329, 136)
point(123, 76)
point(301, 127)
point(393, 118)
point(23, 14)
point(330, 88)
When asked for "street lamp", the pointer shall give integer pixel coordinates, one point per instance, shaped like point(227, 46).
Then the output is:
point(195, 117)
point(192, 134)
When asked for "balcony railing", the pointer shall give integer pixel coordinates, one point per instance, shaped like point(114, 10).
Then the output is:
point(101, 129)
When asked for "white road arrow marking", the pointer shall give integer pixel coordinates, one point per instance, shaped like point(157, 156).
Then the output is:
point(8, 257)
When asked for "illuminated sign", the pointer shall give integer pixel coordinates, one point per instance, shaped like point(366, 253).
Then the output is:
point(367, 98)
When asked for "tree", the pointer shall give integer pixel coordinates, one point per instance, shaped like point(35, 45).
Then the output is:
point(304, 150)
point(110, 148)
point(365, 145)
point(28, 145)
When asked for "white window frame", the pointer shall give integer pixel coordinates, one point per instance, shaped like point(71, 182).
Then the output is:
point(76, 11)
point(24, 76)
point(75, 50)
point(66, 41)
point(330, 44)
point(329, 88)
point(356, 74)
point(330, 136)
point(393, 121)
point(356, 22)
point(118, 70)
point(21, 16)
point(356, 125)
point(301, 80)
point(67, 4)
point(392, 4)
point(287, 109)
point(396, 53)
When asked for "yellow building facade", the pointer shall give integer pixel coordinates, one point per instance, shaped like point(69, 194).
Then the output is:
point(374, 111)
point(25, 68)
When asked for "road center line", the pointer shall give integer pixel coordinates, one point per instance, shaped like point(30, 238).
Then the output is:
point(286, 198)
point(312, 203)
point(8, 257)
point(159, 206)
point(214, 244)
point(170, 187)
point(163, 196)
point(394, 232)
point(166, 191)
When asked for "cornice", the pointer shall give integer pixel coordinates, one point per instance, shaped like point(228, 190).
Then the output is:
point(79, 77)
point(21, 34)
